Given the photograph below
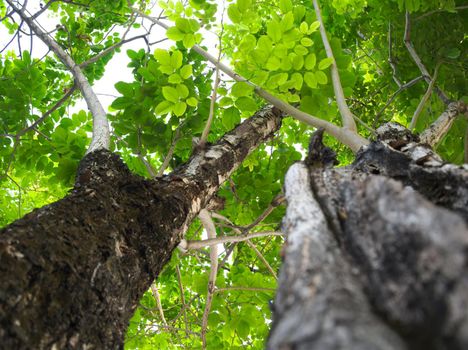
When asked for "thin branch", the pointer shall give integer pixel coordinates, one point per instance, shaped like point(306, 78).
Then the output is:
point(437, 130)
point(154, 290)
point(463, 7)
point(247, 289)
point(207, 128)
point(424, 99)
point(200, 244)
point(346, 115)
point(391, 61)
point(347, 137)
point(109, 50)
point(465, 158)
point(182, 298)
point(169, 155)
point(417, 59)
point(262, 258)
point(392, 98)
point(209, 226)
point(278, 200)
point(101, 136)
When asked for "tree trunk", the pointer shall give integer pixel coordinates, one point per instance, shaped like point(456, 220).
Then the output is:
point(73, 272)
point(376, 253)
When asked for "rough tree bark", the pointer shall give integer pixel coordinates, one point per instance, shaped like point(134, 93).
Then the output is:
point(377, 252)
point(73, 272)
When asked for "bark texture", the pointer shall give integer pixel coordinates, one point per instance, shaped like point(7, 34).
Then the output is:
point(383, 244)
point(74, 271)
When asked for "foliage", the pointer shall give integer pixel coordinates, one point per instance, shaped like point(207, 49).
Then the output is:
point(273, 44)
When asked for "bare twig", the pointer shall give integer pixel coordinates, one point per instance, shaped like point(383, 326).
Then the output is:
point(209, 226)
point(101, 136)
point(437, 130)
point(346, 115)
point(417, 59)
point(155, 291)
point(391, 61)
point(424, 99)
point(182, 298)
point(463, 7)
point(262, 258)
point(392, 98)
point(207, 128)
point(169, 154)
point(247, 289)
point(196, 244)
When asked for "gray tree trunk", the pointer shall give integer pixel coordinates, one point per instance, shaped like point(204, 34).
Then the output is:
point(376, 252)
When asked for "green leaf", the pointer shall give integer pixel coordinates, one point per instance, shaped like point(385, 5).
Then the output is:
point(186, 71)
point(125, 89)
point(231, 117)
point(175, 78)
point(285, 6)
point(310, 80)
point(241, 89)
point(170, 93)
point(234, 14)
point(244, 5)
point(325, 63)
point(179, 108)
point(273, 63)
point(307, 42)
point(246, 104)
point(163, 108)
point(274, 30)
point(182, 91)
point(175, 34)
point(321, 77)
point(176, 59)
point(313, 27)
point(192, 101)
point(189, 40)
point(310, 61)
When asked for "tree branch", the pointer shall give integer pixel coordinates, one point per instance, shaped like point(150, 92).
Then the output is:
point(196, 244)
point(346, 115)
point(154, 290)
point(437, 130)
point(417, 59)
point(101, 136)
point(424, 99)
point(347, 137)
point(209, 226)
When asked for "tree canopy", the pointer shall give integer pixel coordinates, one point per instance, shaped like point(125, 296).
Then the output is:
point(343, 65)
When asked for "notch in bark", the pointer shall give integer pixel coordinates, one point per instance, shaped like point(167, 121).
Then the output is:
point(320, 156)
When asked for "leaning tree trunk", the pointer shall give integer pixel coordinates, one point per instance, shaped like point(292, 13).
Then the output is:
point(377, 252)
point(73, 272)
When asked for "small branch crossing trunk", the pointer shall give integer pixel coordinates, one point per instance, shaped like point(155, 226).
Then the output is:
point(377, 252)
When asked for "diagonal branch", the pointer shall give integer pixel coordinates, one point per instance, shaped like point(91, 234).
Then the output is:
point(424, 99)
point(437, 130)
point(346, 115)
point(418, 61)
point(101, 136)
point(348, 137)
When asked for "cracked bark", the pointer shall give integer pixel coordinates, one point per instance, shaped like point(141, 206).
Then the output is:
point(74, 271)
point(377, 259)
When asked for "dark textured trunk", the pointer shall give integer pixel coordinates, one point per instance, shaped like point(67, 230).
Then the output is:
point(73, 272)
point(377, 252)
